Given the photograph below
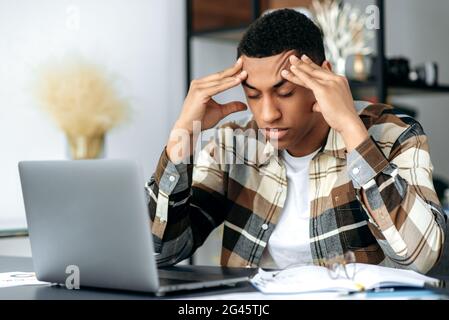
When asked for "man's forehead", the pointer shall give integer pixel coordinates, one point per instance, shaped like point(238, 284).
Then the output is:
point(272, 62)
point(263, 71)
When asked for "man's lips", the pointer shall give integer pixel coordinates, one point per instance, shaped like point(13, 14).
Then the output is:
point(275, 133)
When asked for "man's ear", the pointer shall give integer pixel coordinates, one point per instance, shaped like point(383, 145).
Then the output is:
point(327, 65)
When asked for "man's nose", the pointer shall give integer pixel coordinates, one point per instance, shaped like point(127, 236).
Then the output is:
point(270, 112)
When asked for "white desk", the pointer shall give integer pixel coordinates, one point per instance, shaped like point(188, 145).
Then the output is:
point(240, 292)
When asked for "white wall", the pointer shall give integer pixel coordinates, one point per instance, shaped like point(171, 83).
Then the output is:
point(140, 42)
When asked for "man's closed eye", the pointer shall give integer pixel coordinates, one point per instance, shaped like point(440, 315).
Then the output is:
point(286, 95)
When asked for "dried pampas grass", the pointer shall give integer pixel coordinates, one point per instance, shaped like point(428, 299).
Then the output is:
point(344, 29)
point(80, 97)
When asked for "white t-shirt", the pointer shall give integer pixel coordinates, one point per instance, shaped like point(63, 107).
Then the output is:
point(289, 243)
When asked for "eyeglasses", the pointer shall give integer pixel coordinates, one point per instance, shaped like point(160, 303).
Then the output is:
point(337, 266)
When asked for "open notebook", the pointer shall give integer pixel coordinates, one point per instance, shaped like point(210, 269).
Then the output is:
point(316, 278)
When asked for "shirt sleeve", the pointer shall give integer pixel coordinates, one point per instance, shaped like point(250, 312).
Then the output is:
point(180, 206)
point(398, 195)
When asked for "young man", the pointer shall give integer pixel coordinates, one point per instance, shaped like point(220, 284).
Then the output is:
point(344, 175)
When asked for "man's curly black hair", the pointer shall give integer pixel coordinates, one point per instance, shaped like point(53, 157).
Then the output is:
point(282, 30)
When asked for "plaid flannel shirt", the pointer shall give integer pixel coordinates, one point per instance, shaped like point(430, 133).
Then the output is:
point(403, 228)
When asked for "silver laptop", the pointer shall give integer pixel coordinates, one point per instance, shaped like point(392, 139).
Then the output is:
point(92, 215)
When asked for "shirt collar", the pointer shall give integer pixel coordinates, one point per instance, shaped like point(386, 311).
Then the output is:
point(334, 145)
point(265, 153)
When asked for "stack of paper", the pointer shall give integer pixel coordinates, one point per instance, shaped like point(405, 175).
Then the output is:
point(14, 279)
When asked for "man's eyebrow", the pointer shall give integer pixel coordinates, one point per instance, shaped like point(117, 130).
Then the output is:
point(276, 86)
point(280, 83)
point(244, 83)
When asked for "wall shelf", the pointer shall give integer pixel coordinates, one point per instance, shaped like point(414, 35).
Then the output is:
point(400, 89)
point(413, 88)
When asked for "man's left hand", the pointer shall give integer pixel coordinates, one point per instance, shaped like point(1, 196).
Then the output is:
point(333, 98)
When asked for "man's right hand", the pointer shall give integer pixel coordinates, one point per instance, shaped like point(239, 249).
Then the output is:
point(199, 105)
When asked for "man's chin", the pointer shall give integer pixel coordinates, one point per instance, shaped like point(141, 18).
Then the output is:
point(280, 144)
